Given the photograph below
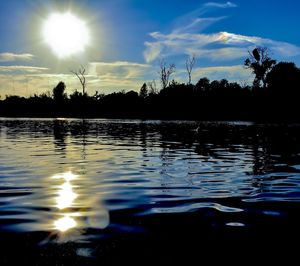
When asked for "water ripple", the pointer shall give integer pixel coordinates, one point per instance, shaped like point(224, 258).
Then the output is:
point(70, 177)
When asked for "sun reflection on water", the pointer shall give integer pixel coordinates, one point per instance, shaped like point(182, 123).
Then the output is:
point(65, 223)
point(65, 199)
point(66, 196)
point(67, 176)
point(77, 206)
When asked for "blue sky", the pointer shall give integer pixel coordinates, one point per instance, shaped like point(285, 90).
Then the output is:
point(130, 37)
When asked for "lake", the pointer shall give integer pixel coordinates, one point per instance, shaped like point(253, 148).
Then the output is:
point(96, 191)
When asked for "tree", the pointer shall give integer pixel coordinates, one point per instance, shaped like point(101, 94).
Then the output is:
point(59, 92)
point(98, 96)
point(144, 91)
point(165, 73)
point(203, 85)
point(261, 64)
point(215, 85)
point(189, 63)
point(80, 74)
point(284, 79)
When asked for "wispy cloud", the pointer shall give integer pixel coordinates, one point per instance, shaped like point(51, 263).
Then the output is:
point(220, 5)
point(284, 49)
point(23, 84)
point(30, 69)
point(232, 73)
point(196, 19)
point(35, 83)
point(215, 46)
point(119, 64)
point(119, 75)
point(10, 57)
point(186, 37)
point(121, 69)
point(185, 33)
point(104, 77)
point(198, 24)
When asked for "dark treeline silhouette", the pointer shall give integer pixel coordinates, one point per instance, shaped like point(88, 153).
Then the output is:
point(274, 95)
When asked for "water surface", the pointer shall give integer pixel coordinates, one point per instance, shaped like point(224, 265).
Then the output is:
point(76, 191)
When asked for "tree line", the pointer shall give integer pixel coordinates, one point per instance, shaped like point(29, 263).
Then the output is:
point(274, 95)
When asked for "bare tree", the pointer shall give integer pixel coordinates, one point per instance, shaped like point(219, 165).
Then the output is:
point(165, 73)
point(152, 87)
point(189, 63)
point(80, 74)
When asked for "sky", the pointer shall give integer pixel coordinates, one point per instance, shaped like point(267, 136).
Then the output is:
point(129, 38)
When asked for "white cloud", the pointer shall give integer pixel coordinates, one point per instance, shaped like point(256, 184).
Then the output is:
point(186, 38)
point(31, 83)
point(198, 24)
point(119, 64)
point(216, 46)
point(9, 57)
point(220, 54)
point(104, 77)
point(185, 34)
point(35, 83)
point(232, 73)
point(107, 82)
point(30, 69)
point(119, 69)
point(220, 5)
point(153, 50)
point(119, 75)
point(194, 20)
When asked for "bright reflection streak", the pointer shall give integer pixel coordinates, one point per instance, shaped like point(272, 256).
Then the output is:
point(65, 223)
point(65, 199)
point(96, 215)
point(68, 176)
point(66, 196)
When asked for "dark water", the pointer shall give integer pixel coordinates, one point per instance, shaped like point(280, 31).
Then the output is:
point(81, 192)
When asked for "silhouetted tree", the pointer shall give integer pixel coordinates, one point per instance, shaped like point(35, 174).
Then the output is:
point(98, 96)
point(165, 73)
point(189, 63)
point(75, 95)
point(202, 85)
point(80, 74)
point(284, 79)
point(215, 85)
point(261, 64)
point(59, 92)
point(207, 100)
point(144, 91)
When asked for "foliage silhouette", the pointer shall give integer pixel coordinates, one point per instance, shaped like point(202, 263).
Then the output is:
point(59, 92)
point(260, 63)
point(273, 96)
point(284, 76)
point(144, 91)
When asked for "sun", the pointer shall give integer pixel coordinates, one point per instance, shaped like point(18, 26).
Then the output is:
point(66, 34)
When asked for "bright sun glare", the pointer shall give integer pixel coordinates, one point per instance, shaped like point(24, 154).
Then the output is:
point(66, 34)
point(65, 223)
